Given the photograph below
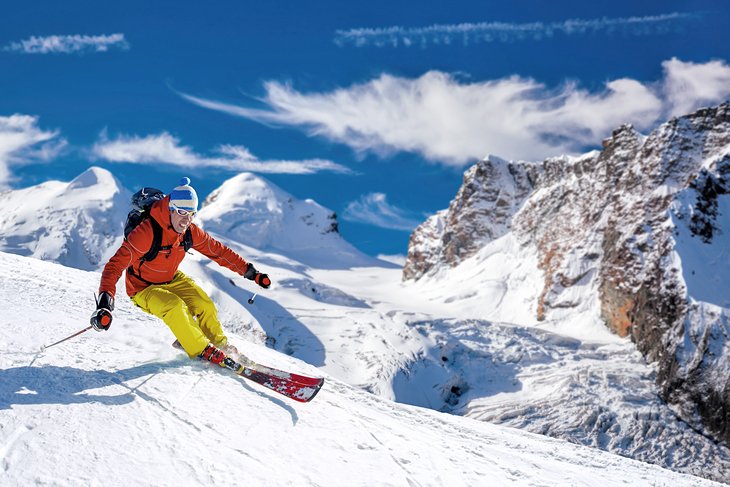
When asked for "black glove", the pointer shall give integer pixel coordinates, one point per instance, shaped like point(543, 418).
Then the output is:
point(254, 275)
point(101, 319)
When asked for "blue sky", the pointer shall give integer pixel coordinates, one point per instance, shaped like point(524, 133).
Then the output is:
point(374, 109)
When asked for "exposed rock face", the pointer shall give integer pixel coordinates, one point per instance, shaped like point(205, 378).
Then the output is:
point(483, 209)
point(609, 226)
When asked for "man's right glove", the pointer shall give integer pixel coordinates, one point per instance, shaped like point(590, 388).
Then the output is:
point(262, 280)
point(101, 319)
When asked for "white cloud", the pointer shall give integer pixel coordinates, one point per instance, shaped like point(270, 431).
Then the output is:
point(397, 259)
point(374, 209)
point(480, 32)
point(689, 85)
point(452, 122)
point(162, 148)
point(166, 149)
point(68, 44)
point(23, 142)
point(240, 158)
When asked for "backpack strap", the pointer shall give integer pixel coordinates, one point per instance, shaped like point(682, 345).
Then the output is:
point(156, 247)
point(131, 272)
point(187, 244)
point(188, 240)
point(156, 241)
point(151, 253)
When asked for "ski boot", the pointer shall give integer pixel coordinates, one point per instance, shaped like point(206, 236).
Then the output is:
point(213, 354)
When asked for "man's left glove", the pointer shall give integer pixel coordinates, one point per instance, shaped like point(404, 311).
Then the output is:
point(101, 319)
point(262, 280)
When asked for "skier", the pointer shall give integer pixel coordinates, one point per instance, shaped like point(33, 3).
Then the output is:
point(159, 288)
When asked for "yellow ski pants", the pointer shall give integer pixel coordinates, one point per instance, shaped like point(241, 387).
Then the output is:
point(187, 310)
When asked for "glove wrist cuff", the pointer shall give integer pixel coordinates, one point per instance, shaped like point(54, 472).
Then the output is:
point(106, 301)
point(250, 272)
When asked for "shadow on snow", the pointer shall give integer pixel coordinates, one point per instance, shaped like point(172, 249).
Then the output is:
point(50, 384)
point(284, 332)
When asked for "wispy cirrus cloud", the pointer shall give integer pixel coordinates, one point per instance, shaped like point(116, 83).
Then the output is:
point(23, 142)
point(374, 209)
point(164, 148)
point(452, 122)
point(485, 32)
point(67, 44)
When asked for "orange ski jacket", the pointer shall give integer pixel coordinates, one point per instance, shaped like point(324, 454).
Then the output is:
point(162, 268)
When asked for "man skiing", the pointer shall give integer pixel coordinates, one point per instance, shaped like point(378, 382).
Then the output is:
point(159, 288)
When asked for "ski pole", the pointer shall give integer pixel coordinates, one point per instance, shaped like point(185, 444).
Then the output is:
point(44, 347)
point(250, 300)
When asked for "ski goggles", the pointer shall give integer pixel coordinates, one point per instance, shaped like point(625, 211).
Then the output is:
point(181, 212)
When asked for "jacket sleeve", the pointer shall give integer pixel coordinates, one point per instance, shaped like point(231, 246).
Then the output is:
point(132, 249)
point(213, 249)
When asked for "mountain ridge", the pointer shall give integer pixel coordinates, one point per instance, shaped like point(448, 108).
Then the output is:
point(606, 228)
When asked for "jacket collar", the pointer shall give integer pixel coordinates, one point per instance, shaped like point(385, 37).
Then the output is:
point(160, 211)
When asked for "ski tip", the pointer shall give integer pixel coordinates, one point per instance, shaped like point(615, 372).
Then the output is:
point(316, 388)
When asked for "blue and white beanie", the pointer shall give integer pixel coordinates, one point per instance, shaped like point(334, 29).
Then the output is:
point(184, 197)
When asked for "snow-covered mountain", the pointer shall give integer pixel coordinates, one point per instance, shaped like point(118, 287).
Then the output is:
point(125, 408)
point(75, 224)
point(253, 211)
point(635, 236)
point(428, 343)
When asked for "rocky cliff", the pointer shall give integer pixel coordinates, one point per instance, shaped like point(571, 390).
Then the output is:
point(639, 227)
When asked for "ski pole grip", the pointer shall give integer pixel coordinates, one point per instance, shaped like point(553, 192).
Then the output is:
point(106, 318)
point(101, 319)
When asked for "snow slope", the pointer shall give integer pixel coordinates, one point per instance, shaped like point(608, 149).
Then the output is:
point(414, 345)
point(125, 408)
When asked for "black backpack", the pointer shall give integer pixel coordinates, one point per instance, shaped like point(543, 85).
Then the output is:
point(142, 201)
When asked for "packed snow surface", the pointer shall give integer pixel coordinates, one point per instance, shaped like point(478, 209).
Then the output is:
point(125, 408)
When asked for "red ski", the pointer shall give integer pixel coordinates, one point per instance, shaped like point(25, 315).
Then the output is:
point(281, 374)
point(303, 390)
point(298, 387)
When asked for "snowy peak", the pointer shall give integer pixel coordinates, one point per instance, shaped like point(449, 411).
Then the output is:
point(80, 223)
point(94, 176)
point(257, 212)
point(253, 211)
point(491, 192)
point(629, 236)
point(75, 224)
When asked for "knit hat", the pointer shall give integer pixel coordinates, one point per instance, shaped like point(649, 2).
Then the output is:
point(184, 197)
